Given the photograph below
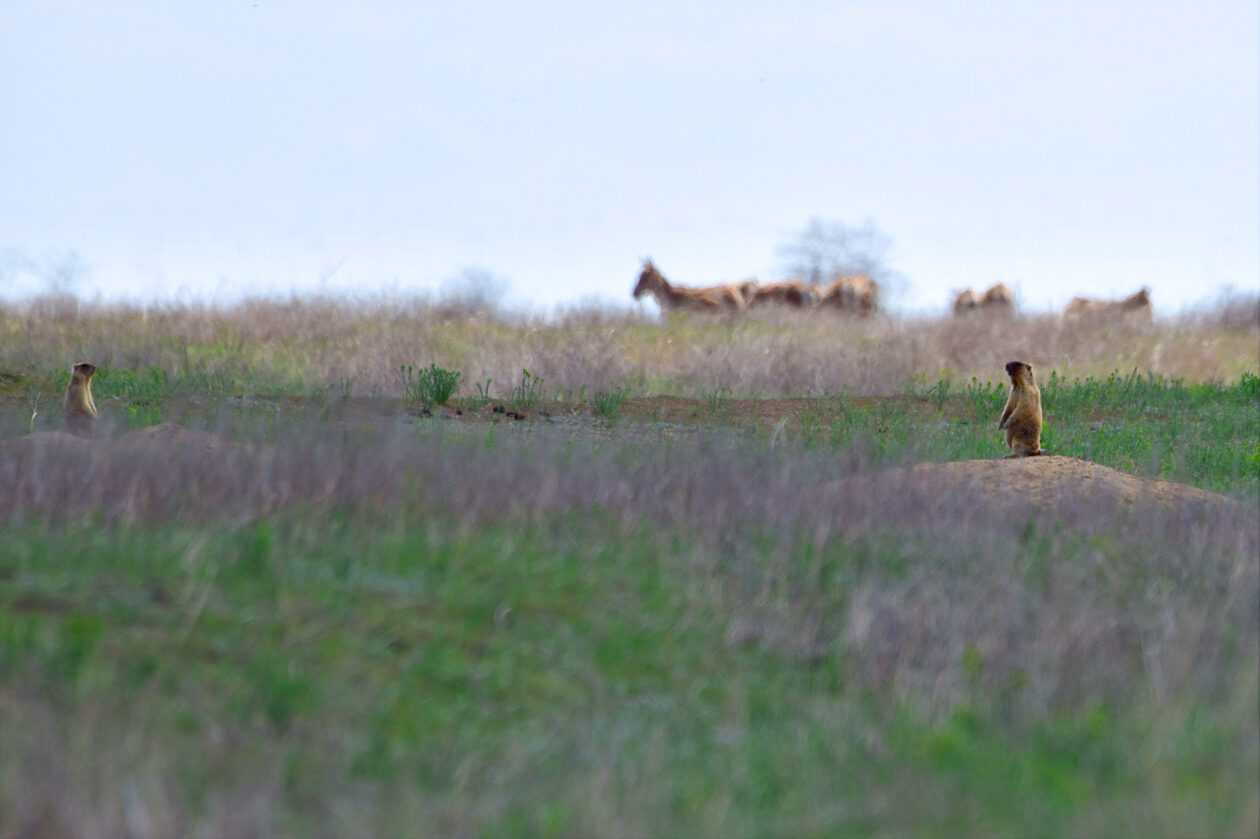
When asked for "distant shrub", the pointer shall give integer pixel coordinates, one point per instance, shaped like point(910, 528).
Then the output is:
point(432, 386)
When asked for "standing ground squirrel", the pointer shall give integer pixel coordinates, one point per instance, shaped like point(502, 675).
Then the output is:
point(79, 406)
point(1022, 415)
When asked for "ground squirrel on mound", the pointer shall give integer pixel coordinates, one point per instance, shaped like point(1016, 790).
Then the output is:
point(1022, 415)
point(79, 406)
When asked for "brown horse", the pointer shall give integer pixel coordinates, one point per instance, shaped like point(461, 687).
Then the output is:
point(1137, 305)
point(997, 300)
point(856, 294)
point(792, 293)
point(721, 298)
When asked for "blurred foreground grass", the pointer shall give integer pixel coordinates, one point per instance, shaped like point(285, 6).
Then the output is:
point(329, 675)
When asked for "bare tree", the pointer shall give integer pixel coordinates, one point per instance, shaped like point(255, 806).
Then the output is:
point(64, 271)
point(825, 249)
point(474, 289)
point(57, 272)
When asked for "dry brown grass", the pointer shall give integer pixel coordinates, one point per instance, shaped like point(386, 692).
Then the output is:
point(319, 343)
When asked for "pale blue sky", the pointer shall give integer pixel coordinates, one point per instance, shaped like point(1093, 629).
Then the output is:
point(216, 149)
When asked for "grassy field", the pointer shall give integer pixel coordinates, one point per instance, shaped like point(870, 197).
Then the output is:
point(656, 606)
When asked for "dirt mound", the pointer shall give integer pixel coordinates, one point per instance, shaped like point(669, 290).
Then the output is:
point(1050, 479)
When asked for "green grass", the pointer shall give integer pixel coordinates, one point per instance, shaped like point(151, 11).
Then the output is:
point(154, 384)
point(542, 681)
point(1203, 434)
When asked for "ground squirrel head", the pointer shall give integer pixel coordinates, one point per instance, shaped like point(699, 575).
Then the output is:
point(1019, 371)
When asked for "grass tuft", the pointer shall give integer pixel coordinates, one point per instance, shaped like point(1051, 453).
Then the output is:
point(429, 387)
point(608, 403)
point(528, 392)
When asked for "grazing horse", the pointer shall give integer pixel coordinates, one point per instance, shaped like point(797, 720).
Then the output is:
point(856, 294)
point(998, 300)
point(1137, 305)
point(793, 293)
point(721, 298)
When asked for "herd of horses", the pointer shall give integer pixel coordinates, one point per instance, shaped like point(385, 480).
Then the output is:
point(854, 294)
